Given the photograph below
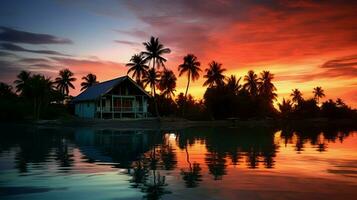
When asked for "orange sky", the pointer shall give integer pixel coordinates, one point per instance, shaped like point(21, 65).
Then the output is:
point(304, 43)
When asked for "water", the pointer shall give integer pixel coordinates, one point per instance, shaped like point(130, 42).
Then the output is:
point(193, 163)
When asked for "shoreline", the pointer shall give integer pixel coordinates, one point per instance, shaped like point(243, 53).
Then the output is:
point(180, 123)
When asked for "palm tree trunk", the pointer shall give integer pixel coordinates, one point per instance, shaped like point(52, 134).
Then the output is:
point(188, 85)
point(153, 86)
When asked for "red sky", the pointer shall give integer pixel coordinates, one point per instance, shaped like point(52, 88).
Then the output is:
point(304, 43)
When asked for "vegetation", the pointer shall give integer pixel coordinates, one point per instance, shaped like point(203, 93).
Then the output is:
point(88, 81)
point(252, 96)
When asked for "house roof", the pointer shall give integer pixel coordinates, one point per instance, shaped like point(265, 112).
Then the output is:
point(102, 88)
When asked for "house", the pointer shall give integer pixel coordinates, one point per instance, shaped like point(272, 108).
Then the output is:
point(118, 98)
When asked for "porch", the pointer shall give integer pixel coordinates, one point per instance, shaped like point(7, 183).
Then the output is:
point(122, 106)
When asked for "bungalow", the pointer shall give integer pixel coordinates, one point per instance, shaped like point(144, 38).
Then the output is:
point(117, 98)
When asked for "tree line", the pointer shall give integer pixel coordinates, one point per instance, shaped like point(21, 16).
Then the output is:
point(225, 96)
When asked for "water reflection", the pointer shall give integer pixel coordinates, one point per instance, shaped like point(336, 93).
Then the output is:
point(148, 157)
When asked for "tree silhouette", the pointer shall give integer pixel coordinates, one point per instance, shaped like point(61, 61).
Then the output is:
point(318, 93)
point(6, 90)
point(167, 83)
point(266, 87)
point(296, 96)
point(252, 83)
point(137, 66)
point(191, 66)
point(154, 52)
point(152, 78)
point(64, 81)
point(21, 81)
point(285, 107)
point(233, 84)
point(39, 90)
point(214, 74)
point(89, 81)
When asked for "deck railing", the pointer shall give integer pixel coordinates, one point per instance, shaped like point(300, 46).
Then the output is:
point(122, 109)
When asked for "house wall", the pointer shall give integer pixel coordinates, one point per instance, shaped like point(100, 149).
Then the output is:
point(85, 109)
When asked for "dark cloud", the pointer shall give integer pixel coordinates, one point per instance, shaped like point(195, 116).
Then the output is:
point(13, 47)
point(6, 54)
point(33, 60)
point(126, 42)
point(342, 62)
point(17, 36)
point(345, 66)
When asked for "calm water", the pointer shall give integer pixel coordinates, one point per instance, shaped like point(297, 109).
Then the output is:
point(194, 163)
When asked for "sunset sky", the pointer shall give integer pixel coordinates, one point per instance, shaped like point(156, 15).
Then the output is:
point(304, 43)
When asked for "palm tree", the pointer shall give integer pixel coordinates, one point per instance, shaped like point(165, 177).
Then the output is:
point(318, 93)
point(39, 89)
point(167, 83)
point(191, 66)
point(214, 74)
point(339, 102)
point(22, 78)
point(152, 78)
point(285, 107)
point(89, 81)
point(252, 83)
point(296, 96)
point(233, 84)
point(155, 51)
point(266, 87)
point(6, 90)
point(137, 66)
point(64, 81)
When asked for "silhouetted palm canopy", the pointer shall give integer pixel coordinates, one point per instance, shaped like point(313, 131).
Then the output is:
point(167, 83)
point(22, 78)
point(266, 87)
point(318, 93)
point(64, 81)
point(89, 81)
point(137, 66)
point(214, 74)
point(191, 66)
point(252, 83)
point(285, 106)
point(5, 90)
point(151, 78)
point(155, 51)
point(233, 84)
point(296, 96)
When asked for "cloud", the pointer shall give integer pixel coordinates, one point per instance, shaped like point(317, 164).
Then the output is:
point(16, 36)
point(13, 47)
point(126, 42)
point(33, 60)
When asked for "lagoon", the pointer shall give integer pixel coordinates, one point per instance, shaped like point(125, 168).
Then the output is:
point(190, 163)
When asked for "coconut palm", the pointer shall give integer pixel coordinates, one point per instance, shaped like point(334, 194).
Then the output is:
point(266, 87)
point(39, 89)
point(64, 81)
point(137, 66)
point(296, 96)
point(318, 93)
point(151, 78)
point(252, 83)
point(214, 74)
point(6, 90)
point(22, 78)
point(191, 66)
point(233, 84)
point(339, 102)
point(89, 81)
point(167, 83)
point(154, 52)
point(285, 106)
